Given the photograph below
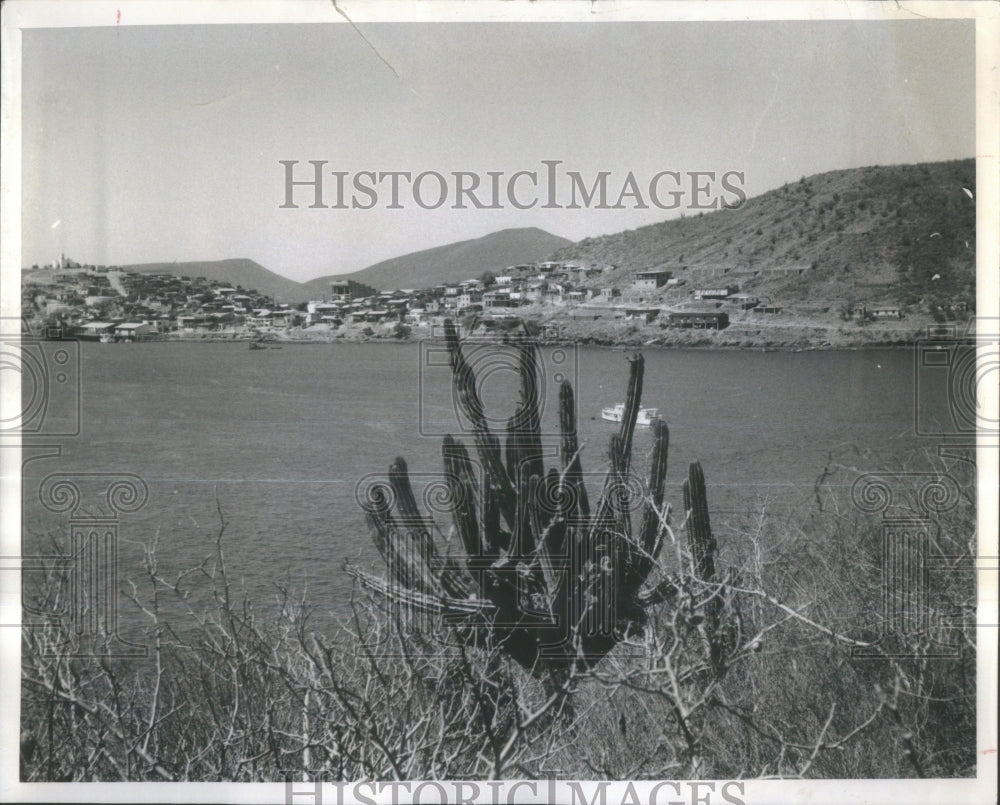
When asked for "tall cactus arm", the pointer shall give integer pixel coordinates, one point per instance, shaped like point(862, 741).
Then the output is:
point(408, 567)
point(651, 530)
point(703, 548)
point(650, 537)
point(528, 417)
point(633, 399)
point(699, 530)
point(462, 490)
point(409, 516)
point(498, 482)
point(570, 450)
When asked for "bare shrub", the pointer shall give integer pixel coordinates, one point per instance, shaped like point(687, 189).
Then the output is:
point(756, 652)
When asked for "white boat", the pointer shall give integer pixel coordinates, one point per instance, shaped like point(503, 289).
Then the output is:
point(616, 413)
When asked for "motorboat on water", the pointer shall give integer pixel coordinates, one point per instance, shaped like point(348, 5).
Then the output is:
point(616, 413)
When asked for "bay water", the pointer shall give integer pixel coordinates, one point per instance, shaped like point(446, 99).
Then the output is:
point(280, 441)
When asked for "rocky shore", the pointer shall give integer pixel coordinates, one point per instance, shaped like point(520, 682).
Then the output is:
point(778, 335)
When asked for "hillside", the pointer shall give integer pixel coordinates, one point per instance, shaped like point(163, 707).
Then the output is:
point(904, 234)
point(238, 271)
point(451, 263)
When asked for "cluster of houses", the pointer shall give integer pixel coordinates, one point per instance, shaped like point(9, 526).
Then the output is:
point(708, 305)
point(705, 307)
point(110, 304)
point(494, 296)
point(550, 283)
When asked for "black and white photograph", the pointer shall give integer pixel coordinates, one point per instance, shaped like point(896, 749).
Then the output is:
point(506, 402)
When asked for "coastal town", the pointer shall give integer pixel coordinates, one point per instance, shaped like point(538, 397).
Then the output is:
point(566, 300)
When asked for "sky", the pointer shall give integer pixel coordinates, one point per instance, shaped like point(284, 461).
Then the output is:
point(163, 143)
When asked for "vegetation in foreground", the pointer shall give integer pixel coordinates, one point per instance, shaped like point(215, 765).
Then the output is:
point(744, 670)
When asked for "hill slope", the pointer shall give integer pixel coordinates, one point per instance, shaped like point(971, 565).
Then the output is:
point(238, 271)
point(451, 263)
point(905, 233)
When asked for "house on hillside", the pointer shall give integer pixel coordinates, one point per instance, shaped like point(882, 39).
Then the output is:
point(93, 330)
point(960, 306)
point(887, 311)
point(718, 292)
point(469, 297)
point(325, 312)
point(194, 324)
point(499, 299)
point(699, 319)
point(258, 318)
point(646, 314)
point(348, 290)
point(134, 331)
point(650, 280)
point(743, 301)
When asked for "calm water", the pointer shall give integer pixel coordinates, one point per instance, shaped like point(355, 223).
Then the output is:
point(281, 437)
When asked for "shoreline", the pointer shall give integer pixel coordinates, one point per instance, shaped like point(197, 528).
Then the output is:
point(788, 334)
point(700, 342)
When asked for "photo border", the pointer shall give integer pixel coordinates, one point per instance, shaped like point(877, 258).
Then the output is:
point(49, 13)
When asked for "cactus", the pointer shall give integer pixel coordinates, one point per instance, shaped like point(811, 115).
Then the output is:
point(703, 547)
point(552, 581)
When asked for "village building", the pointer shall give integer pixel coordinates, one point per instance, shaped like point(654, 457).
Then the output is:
point(718, 292)
point(259, 318)
point(470, 297)
point(699, 319)
point(886, 311)
point(95, 329)
point(347, 290)
point(646, 314)
point(499, 299)
point(743, 301)
point(134, 331)
point(650, 280)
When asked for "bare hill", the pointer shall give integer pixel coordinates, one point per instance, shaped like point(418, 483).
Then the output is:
point(904, 233)
point(452, 263)
point(238, 271)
